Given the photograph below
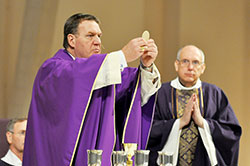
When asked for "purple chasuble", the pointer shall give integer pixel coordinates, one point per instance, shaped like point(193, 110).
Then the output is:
point(216, 110)
point(67, 116)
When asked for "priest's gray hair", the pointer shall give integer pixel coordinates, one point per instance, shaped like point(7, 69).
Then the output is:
point(201, 53)
point(12, 122)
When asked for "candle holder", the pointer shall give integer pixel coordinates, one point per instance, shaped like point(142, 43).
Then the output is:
point(94, 157)
point(141, 157)
point(165, 159)
point(119, 158)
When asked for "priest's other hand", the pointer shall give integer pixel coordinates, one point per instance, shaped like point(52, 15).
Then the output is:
point(196, 115)
point(133, 50)
point(187, 114)
point(150, 53)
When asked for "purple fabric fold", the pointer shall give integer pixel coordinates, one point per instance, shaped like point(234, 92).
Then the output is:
point(67, 116)
point(217, 111)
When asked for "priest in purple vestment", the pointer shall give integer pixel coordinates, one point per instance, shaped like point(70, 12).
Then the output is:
point(84, 100)
point(194, 123)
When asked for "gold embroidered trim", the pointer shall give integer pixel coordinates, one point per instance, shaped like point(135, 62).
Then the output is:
point(130, 107)
point(114, 121)
point(156, 95)
point(85, 112)
point(172, 94)
point(202, 102)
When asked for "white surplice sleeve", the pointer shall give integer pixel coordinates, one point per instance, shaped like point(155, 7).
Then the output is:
point(150, 83)
point(110, 73)
point(172, 145)
point(208, 142)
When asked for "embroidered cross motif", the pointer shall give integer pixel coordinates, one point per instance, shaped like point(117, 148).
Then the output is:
point(189, 134)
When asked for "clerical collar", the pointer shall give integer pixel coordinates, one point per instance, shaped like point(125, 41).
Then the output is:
point(71, 55)
point(177, 85)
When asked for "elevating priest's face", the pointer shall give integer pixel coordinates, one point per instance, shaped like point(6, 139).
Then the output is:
point(87, 39)
point(190, 66)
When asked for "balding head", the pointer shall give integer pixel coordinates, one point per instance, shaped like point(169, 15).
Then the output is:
point(189, 65)
point(191, 48)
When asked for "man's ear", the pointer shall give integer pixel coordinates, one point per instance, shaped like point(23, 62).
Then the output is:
point(71, 40)
point(9, 137)
point(176, 63)
point(203, 67)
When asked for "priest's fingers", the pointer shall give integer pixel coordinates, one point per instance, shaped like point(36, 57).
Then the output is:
point(185, 119)
point(196, 116)
point(150, 53)
point(132, 50)
point(198, 119)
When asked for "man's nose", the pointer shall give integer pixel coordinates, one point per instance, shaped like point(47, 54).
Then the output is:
point(97, 40)
point(190, 65)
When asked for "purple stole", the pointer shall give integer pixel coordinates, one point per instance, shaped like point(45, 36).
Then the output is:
point(67, 116)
